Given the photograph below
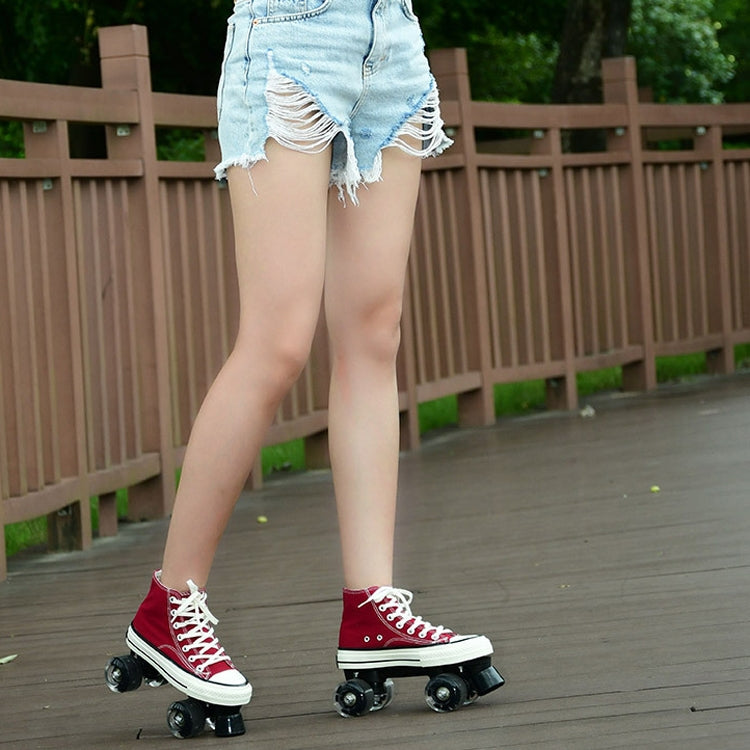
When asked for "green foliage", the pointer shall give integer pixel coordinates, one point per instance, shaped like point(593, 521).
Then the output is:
point(678, 53)
point(11, 140)
point(732, 23)
point(55, 41)
point(511, 52)
point(180, 144)
point(511, 67)
point(452, 24)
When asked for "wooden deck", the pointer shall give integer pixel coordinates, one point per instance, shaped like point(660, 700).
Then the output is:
point(621, 616)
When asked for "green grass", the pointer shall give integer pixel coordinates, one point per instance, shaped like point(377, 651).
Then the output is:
point(284, 457)
point(510, 399)
point(25, 534)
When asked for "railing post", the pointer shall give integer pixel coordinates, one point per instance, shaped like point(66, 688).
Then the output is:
point(560, 392)
point(125, 65)
point(719, 361)
point(621, 87)
point(451, 69)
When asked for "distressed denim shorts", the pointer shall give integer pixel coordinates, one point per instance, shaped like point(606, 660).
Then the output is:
point(311, 73)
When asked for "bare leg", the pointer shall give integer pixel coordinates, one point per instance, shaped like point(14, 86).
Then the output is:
point(280, 235)
point(368, 248)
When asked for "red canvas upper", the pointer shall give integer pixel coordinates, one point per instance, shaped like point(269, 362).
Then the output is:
point(180, 626)
point(381, 617)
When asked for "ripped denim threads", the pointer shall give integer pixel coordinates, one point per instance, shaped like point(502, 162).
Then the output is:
point(316, 73)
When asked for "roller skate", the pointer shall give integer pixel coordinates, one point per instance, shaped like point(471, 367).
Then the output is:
point(380, 639)
point(171, 639)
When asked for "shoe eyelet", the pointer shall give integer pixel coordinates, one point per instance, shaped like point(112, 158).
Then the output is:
point(366, 639)
point(410, 631)
point(391, 617)
point(185, 649)
point(380, 638)
point(383, 607)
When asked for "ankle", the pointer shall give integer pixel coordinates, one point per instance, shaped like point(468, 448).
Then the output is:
point(177, 582)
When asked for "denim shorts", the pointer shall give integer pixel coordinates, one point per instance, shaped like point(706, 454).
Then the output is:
point(311, 73)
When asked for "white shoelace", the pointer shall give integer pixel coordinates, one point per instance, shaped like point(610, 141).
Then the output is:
point(387, 597)
point(193, 617)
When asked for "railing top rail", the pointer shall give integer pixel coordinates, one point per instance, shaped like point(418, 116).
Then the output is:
point(543, 116)
point(184, 110)
point(22, 100)
point(654, 115)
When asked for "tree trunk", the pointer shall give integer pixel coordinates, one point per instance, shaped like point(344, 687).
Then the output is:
point(593, 29)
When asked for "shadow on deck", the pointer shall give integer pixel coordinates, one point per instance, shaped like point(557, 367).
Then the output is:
point(620, 616)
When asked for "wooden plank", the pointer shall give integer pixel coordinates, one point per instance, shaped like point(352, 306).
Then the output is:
point(540, 116)
point(184, 111)
point(44, 101)
point(41, 168)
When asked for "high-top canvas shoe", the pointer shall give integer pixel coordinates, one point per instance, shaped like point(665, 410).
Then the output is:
point(379, 630)
point(173, 631)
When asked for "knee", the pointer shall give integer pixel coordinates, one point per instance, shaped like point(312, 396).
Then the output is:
point(277, 361)
point(287, 359)
point(373, 333)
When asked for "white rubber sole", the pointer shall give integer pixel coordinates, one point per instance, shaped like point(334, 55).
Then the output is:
point(220, 694)
point(460, 650)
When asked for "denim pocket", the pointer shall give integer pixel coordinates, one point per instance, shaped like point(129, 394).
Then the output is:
point(292, 10)
point(408, 8)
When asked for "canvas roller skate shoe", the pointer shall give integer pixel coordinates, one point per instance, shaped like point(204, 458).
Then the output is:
point(171, 639)
point(380, 639)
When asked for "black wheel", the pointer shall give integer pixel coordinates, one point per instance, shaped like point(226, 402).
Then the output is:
point(123, 674)
point(354, 698)
point(446, 692)
point(186, 718)
point(227, 721)
point(384, 697)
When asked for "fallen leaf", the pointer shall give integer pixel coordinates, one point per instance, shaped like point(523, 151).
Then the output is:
point(9, 658)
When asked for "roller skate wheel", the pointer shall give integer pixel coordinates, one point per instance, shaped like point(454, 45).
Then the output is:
point(186, 718)
point(446, 692)
point(123, 674)
point(354, 698)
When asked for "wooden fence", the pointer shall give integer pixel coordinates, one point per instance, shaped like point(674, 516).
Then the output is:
point(117, 289)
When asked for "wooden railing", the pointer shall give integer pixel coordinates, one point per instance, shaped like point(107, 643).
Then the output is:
point(118, 301)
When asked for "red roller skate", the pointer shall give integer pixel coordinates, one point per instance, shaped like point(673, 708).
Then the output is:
point(380, 639)
point(172, 640)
